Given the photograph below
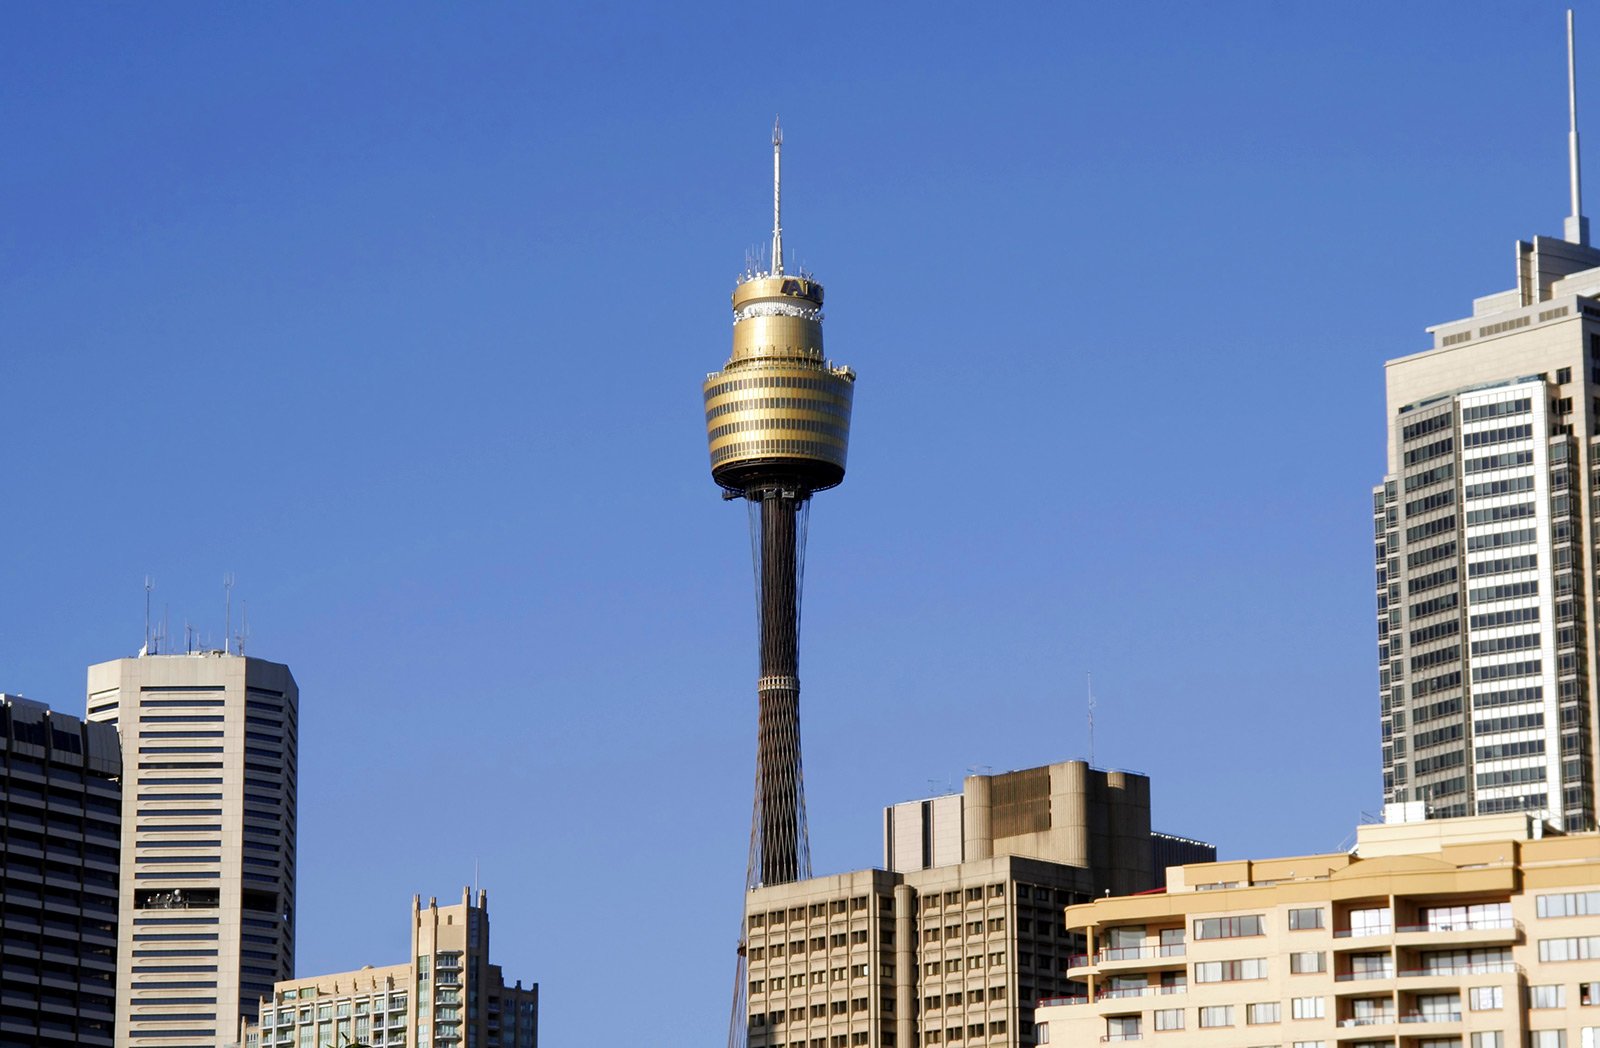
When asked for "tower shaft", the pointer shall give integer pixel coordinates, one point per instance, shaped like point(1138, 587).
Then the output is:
point(782, 848)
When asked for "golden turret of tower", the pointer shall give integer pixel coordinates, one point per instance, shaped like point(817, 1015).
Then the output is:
point(778, 413)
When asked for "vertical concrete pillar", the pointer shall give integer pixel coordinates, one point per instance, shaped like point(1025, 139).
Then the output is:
point(905, 964)
point(1071, 804)
point(977, 833)
point(1131, 859)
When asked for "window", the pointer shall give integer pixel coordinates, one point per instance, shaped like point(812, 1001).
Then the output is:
point(1547, 996)
point(1307, 1008)
point(1371, 966)
point(1547, 1039)
point(1118, 1028)
point(1486, 998)
point(1563, 376)
point(1169, 1018)
point(1374, 921)
point(1576, 949)
point(1310, 1044)
point(1230, 971)
point(1265, 1012)
point(1306, 963)
point(1299, 920)
point(1228, 927)
point(1571, 904)
point(1216, 1015)
point(1489, 1039)
point(1041, 1033)
point(1439, 1007)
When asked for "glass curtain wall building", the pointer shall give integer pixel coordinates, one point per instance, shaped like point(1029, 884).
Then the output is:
point(61, 806)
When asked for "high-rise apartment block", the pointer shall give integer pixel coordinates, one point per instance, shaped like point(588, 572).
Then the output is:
point(206, 905)
point(60, 808)
point(1485, 548)
point(1486, 537)
point(448, 995)
point(961, 933)
point(1469, 933)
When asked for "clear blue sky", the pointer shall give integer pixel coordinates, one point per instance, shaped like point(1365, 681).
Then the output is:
point(399, 313)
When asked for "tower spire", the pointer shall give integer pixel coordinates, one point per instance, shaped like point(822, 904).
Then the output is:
point(1577, 226)
point(777, 198)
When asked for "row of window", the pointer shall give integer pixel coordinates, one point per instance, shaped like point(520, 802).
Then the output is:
point(827, 406)
point(827, 384)
point(1496, 436)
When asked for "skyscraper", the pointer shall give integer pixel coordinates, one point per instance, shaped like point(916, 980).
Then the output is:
point(206, 905)
point(778, 428)
point(59, 808)
point(1485, 529)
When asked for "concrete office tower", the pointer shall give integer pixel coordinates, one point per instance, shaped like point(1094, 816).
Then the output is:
point(960, 934)
point(208, 840)
point(1486, 540)
point(446, 995)
point(58, 877)
point(778, 428)
point(1469, 933)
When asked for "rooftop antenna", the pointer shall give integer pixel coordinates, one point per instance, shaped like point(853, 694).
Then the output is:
point(778, 224)
point(244, 627)
point(149, 584)
point(227, 613)
point(1577, 231)
point(1089, 677)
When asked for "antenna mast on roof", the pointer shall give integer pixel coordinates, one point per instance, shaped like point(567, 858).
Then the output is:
point(1089, 679)
point(1577, 231)
point(778, 224)
point(227, 612)
point(149, 584)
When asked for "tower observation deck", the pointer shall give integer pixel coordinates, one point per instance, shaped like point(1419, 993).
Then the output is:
point(778, 429)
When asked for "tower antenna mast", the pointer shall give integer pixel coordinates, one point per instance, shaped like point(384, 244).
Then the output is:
point(1089, 678)
point(149, 584)
point(1577, 226)
point(777, 192)
point(227, 614)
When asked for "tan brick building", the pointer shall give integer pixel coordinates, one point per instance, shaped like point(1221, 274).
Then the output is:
point(1479, 932)
point(447, 995)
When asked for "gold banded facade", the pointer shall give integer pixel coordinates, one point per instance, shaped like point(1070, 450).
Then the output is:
point(778, 411)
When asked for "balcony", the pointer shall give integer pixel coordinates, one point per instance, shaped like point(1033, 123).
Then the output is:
point(1375, 1019)
point(1379, 973)
point(1482, 968)
point(1500, 931)
point(1053, 1002)
point(1131, 958)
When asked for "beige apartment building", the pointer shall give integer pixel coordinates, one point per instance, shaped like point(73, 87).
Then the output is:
point(1479, 932)
point(207, 880)
point(957, 937)
point(448, 995)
